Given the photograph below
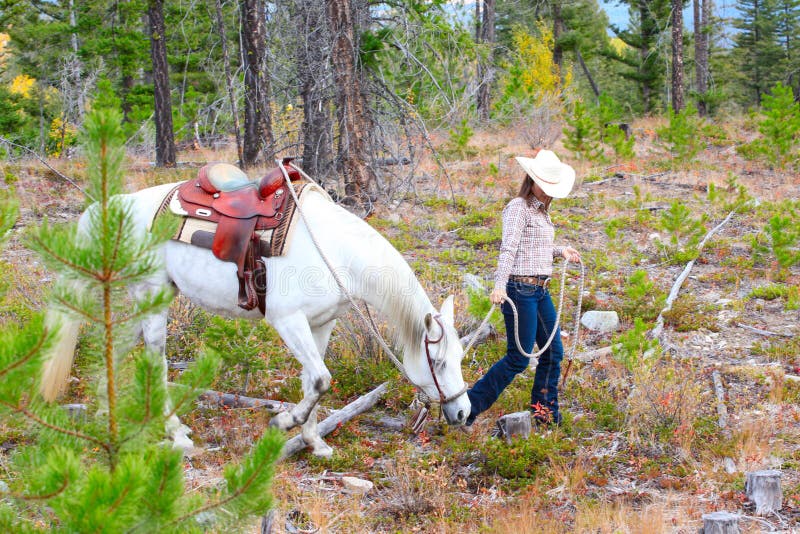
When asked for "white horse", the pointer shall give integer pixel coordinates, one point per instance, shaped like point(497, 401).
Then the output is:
point(303, 302)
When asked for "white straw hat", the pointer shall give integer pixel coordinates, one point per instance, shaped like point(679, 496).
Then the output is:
point(555, 178)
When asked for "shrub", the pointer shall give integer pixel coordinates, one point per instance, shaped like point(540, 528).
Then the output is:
point(681, 134)
point(642, 299)
point(582, 134)
point(780, 127)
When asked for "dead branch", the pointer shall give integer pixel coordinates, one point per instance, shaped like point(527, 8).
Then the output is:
point(339, 417)
point(43, 162)
point(673, 294)
point(762, 332)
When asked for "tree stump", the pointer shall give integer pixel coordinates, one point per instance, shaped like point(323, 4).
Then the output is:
point(720, 523)
point(764, 489)
point(514, 425)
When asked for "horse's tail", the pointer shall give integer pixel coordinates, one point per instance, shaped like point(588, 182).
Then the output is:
point(55, 370)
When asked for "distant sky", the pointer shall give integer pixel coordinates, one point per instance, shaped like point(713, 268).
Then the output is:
point(617, 11)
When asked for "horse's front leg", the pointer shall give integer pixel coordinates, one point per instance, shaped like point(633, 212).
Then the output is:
point(310, 432)
point(296, 333)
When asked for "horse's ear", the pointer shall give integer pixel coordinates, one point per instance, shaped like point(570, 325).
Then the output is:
point(447, 310)
point(428, 321)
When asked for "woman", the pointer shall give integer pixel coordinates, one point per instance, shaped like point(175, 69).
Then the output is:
point(523, 273)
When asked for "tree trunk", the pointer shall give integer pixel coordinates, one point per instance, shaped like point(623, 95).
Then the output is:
point(485, 67)
point(595, 89)
point(257, 114)
point(226, 63)
point(165, 140)
point(701, 13)
point(644, 53)
point(677, 55)
point(558, 30)
point(315, 90)
point(352, 113)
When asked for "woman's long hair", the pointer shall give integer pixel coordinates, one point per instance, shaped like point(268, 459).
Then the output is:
point(526, 192)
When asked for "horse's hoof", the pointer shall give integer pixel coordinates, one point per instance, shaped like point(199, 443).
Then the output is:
point(182, 442)
point(322, 449)
point(282, 421)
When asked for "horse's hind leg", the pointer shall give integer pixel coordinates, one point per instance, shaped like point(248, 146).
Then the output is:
point(154, 334)
point(296, 333)
point(310, 432)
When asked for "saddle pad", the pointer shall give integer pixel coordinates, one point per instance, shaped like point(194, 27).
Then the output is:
point(200, 233)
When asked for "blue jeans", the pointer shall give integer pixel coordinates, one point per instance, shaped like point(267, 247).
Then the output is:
point(537, 317)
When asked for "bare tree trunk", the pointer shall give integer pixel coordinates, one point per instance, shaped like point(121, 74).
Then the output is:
point(165, 140)
point(315, 89)
point(702, 12)
point(677, 55)
point(353, 115)
point(257, 113)
point(558, 30)
point(588, 74)
point(486, 66)
point(226, 63)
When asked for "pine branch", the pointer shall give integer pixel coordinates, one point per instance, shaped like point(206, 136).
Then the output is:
point(25, 359)
point(74, 433)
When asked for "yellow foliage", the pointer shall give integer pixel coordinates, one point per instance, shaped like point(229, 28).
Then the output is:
point(618, 45)
point(4, 38)
point(22, 85)
point(70, 133)
point(533, 71)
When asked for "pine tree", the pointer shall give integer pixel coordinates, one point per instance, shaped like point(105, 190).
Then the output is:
point(110, 472)
point(648, 19)
point(757, 48)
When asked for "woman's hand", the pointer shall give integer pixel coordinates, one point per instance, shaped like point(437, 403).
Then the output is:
point(570, 254)
point(498, 296)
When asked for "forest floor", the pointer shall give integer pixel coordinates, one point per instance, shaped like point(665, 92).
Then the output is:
point(641, 448)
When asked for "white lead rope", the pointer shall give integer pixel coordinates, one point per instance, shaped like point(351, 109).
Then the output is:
point(374, 331)
point(535, 355)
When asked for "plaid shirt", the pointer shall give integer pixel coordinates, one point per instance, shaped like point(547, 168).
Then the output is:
point(527, 247)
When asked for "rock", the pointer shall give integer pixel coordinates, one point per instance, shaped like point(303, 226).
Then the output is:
point(470, 281)
point(600, 321)
point(730, 467)
point(357, 485)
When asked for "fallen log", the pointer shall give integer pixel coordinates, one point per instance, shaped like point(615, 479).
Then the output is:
point(233, 400)
point(357, 407)
point(480, 335)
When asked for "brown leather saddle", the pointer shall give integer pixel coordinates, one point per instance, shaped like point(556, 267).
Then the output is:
point(224, 194)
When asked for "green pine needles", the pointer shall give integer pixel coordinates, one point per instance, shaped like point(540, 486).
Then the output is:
point(113, 471)
point(780, 127)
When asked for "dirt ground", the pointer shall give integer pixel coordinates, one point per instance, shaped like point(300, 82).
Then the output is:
point(642, 450)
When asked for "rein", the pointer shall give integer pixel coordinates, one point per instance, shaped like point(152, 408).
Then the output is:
point(428, 343)
point(374, 331)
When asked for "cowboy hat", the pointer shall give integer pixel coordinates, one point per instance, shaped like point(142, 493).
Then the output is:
point(553, 177)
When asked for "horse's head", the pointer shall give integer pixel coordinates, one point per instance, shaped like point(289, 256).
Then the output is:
point(437, 371)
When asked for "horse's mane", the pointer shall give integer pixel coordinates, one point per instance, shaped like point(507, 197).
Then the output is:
point(396, 292)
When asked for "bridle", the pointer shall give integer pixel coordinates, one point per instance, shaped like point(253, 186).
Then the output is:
point(443, 399)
